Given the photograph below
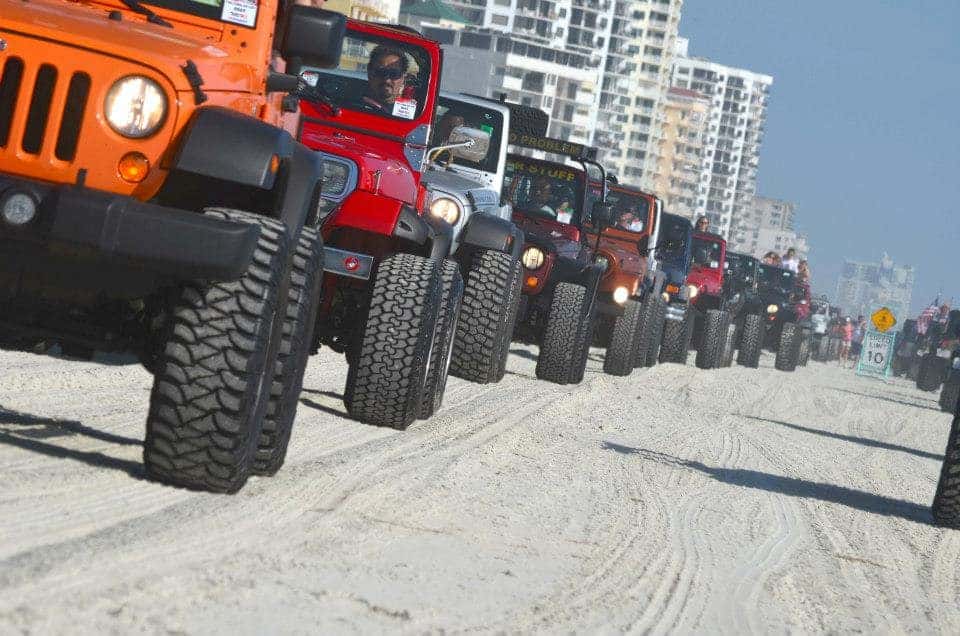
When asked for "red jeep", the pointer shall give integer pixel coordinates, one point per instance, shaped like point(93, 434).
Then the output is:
point(390, 297)
point(712, 320)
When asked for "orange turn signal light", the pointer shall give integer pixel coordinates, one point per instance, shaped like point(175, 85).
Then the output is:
point(133, 167)
point(532, 281)
point(275, 164)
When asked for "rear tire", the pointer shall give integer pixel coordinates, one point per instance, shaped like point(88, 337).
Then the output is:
point(788, 349)
point(490, 297)
point(215, 369)
point(561, 351)
point(750, 341)
point(711, 346)
point(436, 382)
point(930, 375)
point(300, 321)
point(386, 381)
point(950, 393)
point(621, 352)
point(946, 501)
point(675, 341)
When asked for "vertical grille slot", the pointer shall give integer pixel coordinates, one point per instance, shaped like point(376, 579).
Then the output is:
point(69, 135)
point(39, 109)
point(9, 87)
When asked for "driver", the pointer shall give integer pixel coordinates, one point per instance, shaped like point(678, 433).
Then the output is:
point(630, 221)
point(542, 196)
point(386, 77)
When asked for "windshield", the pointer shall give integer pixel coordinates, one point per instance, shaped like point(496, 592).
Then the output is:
point(740, 266)
point(452, 113)
point(630, 211)
point(706, 253)
point(544, 189)
point(376, 75)
point(782, 279)
point(242, 12)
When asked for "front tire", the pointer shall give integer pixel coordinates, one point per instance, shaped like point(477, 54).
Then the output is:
point(930, 375)
point(788, 349)
point(436, 382)
point(950, 393)
point(621, 352)
point(946, 501)
point(215, 369)
point(751, 341)
point(562, 348)
point(711, 345)
point(653, 324)
point(386, 380)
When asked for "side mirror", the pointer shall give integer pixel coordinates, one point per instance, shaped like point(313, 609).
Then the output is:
point(475, 143)
point(313, 37)
point(602, 214)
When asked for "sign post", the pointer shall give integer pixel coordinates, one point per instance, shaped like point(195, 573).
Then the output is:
point(876, 354)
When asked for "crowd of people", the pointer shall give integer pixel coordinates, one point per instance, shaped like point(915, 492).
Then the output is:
point(790, 261)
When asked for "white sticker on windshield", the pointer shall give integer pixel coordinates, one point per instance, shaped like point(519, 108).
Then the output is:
point(714, 264)
point(240, 12)
point(564, 217)
point(405, 107)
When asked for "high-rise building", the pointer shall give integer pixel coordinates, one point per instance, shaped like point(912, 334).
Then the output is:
point(679, 150)
point(728, 178)
point(768, 225)
point(865, 287)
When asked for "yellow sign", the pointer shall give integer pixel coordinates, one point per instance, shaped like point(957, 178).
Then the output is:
point(883, 319)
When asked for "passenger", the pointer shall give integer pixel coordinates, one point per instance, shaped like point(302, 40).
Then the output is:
point(703, 224)
point(859, 331)
point(565, 212)
point(386, 77)
point(803, 271)
point(790, 260)
point(542, 197)
point(846, 337)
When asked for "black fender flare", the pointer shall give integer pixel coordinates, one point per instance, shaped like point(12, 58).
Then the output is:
point(487, 232)
point(435, 235)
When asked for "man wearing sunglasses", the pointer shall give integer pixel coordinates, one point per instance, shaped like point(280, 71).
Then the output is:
point(386, 77)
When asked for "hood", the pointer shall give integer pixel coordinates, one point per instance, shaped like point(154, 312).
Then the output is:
point(477, 194)
point(163, 49)
point(709, 281)
point(382, 171)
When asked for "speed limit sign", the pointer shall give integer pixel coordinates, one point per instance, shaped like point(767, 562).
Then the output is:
point(876, 354)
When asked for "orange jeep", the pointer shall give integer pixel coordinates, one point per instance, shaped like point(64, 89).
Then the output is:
point(151, 202)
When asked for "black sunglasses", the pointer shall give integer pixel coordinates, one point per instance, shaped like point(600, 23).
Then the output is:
point(386, 72)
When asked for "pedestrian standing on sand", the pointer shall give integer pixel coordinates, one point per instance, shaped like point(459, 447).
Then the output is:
point(803, 271)
point(790, 260)
point(846, 337)
point(703, 224)
point(859, 331)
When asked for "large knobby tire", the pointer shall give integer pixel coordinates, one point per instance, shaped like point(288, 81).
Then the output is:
point(648, 316)
point(214, 372)
point(946, 501)
point(585, 337)
point(930, 374)
point(950, 392)
point(621, 352)
point(655, 325)
point(490, 296)
point(711, 346)
point(804, 356)
point(729, 343)
point(452, 296)
point(750, 341)
point(306, 275)
point(386, 381)
point(675, 341)
point(562, 348)
point(788, 349)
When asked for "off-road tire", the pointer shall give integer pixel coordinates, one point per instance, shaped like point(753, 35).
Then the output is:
point(214, 371)
point(711, 345)
point(648, 316)
point(436, 383)
point(674, 343)
point(561, 350)
point(659, 317)
point(729, 344)
point(621, 352)
point(804, 356)
point(487, 316)
point(585, 337)
point(930, 374)
point(946, 501)
point(950, 392)
point(385, 383)
point(751, 341)
point(788, 348)
point(306, 275)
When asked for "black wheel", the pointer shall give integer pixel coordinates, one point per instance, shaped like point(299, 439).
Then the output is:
point(649, 313)
point(621, 352)
point(562, 348)
point(655, 324)
point(950, 393)
point(386, 380)
point(946, 501)
point(750, 341)
point(675, 341)
point(931, 371)
point(711, 345)
point(788, 349)
point(306, 274)
point(729, 343)
point(214, 372)
point(436, 382)
point(804, 356)
point(490, 296)
point(585, 337)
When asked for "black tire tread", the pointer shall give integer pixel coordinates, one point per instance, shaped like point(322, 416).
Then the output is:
point(751, 341)
point(451, 281)
point(561, 348)
point(788, 348)
point(621, 352)
point(711, 347)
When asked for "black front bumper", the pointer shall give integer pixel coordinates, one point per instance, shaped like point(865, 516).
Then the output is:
point(82, 224)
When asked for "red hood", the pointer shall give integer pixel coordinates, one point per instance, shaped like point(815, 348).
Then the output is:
point(564, 238)
point(708, 281)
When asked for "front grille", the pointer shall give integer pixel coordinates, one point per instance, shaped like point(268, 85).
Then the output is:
point(49, 105)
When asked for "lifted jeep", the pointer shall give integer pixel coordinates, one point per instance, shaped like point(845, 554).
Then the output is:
point(746, 336)
point(560, 278)
point(782, 332)
point(151, 203)
point(674, 259)
point(712, 317)
point(391, 297)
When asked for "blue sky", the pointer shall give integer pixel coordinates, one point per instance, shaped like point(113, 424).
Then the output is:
point(863, 126)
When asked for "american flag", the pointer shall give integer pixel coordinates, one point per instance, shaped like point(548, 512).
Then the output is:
point(926, 317)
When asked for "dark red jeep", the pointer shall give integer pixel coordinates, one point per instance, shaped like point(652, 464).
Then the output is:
point(711, 316)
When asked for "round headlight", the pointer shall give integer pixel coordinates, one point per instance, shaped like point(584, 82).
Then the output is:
point(335, 177)
point(665, 296)
point(446, 209)
point(603, 262)
point(620, 295)
point(772, 309)
point(19, 208)
point(135, 107)
point(533, 258)
point(692, 291)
